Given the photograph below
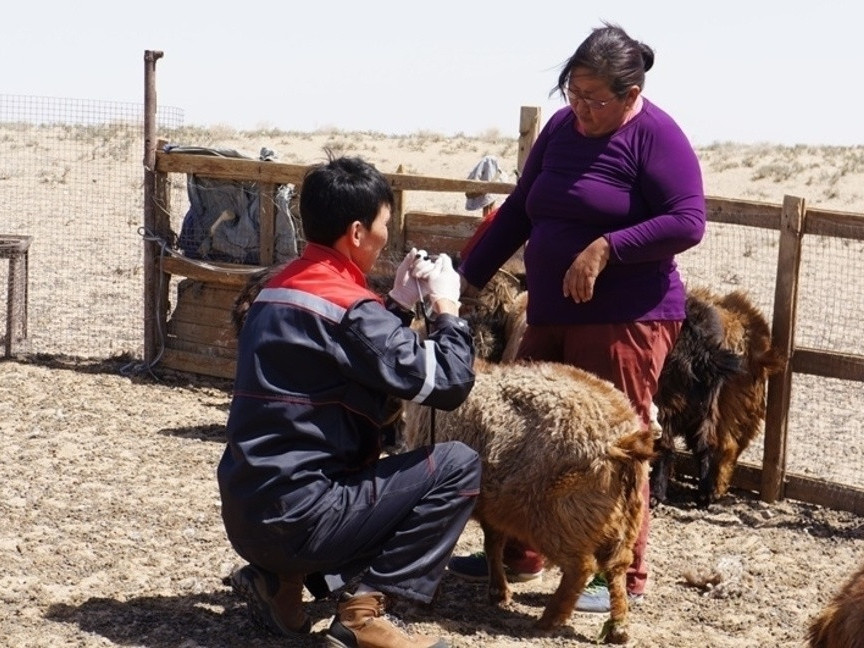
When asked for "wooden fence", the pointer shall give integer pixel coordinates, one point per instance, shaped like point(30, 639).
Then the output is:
point(198, 338)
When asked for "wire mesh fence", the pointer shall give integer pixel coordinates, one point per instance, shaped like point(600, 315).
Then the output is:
point(71, 173)
point(824, 439)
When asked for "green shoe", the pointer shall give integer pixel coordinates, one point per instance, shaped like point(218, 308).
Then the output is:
point(595, 596)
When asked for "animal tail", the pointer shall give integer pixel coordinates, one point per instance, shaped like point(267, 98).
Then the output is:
point(636, 446)
point(771, 360)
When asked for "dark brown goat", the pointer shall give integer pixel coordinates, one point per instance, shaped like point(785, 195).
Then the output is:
point(711, 390)
point(841, 622)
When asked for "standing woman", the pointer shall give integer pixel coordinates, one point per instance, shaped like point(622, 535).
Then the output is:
point(610, 192)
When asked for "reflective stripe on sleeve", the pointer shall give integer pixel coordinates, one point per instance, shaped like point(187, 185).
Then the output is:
point(429, 380)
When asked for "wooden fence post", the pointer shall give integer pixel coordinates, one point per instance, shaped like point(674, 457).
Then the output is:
point(529, 129)
point(396, 233)
point(151, 248)
point(783, 337)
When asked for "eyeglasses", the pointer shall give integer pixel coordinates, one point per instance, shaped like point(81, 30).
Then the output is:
point(593, 104)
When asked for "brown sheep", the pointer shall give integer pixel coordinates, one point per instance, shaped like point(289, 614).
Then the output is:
point(564, 462)
point(841, 623)
point(719, 424)
point(688, 392)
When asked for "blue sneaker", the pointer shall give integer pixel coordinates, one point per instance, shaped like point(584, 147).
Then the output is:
point(595, 597)
point(475, 568)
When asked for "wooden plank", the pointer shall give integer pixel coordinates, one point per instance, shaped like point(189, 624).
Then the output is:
point(743, 212)
point(822, 493)
point(201, 348)
point(828, 364)
point(196, 363)
point(434, 242)
point(203, 315)
point(396, 226)
point(835, 224)
point(529, 129)
point(224, 274)
point(460, 226)
point(209, 294)
point(184, 330)
point(197, 312)
point(211, 166)
point(408, 182)
point(748, 476)
point(155, 196)
point(157, 221)
point(281, 173)
point(783, 338)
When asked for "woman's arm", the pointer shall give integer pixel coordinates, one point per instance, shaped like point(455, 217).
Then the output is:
point(671, 184)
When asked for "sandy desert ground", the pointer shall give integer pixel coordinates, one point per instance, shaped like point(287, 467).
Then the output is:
point(110, 533)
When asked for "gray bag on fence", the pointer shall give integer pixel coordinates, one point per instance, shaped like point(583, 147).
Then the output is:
point(222, 222)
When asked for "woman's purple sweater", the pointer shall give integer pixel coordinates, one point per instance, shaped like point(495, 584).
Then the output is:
point(640, 187)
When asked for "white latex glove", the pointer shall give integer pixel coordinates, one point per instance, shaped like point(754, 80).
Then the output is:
point(407, 289)
point(444, 282)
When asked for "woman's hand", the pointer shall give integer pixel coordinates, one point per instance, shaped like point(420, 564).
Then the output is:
point(583, 272)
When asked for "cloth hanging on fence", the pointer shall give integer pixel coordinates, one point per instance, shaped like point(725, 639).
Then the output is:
point(487, 169)
point(222, 223)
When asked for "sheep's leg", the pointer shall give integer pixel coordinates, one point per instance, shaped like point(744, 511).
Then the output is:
point(703, 454)
point(661, 471)
point(703, 494)
point(726, 458)
point(493, 545)
point(615, 630)
point(560, 605)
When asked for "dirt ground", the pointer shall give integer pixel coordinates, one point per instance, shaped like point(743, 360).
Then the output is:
point(110, 535)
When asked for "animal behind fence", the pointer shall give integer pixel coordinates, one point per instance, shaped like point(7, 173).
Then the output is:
point(712, 389)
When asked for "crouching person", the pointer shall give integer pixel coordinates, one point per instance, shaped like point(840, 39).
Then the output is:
point(305, 497)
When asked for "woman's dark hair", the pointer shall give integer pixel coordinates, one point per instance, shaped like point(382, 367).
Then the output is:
point(610, 54)
point(339, 192)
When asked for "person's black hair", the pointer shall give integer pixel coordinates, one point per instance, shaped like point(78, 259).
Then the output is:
point(339, 192)
point(610, 54)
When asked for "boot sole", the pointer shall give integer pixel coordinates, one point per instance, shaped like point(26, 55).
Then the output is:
point(256, 606)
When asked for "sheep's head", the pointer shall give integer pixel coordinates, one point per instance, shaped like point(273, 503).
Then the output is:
point(487, 312)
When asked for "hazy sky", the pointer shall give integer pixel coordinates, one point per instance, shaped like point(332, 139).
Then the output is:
point(776, 71)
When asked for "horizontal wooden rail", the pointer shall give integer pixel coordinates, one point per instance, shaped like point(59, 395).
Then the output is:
point(224, 274)
point(743, 212)
point(748, 476)
point(828, 364)
point(833, 223)
point(281, 173)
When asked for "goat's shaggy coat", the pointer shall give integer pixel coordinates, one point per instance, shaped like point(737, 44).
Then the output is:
point(841, 622)
point(712, 389)
point(564, 461)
